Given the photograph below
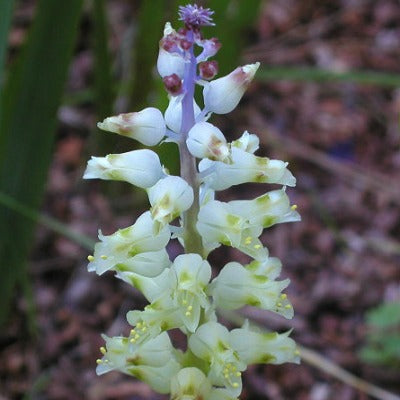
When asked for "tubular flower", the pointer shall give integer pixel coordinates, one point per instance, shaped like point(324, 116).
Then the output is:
point(146, 126)
point(141, 168)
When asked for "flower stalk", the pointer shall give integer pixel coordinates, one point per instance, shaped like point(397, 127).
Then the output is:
point(180, 292)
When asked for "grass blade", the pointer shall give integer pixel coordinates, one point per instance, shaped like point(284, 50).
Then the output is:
point(30, 100)
point(311, 74)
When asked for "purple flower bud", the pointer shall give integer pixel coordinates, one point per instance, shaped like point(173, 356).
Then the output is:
point(173, 84)
point(194, 16)
point(208, 69)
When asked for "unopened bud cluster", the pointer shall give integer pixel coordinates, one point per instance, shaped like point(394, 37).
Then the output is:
point(181, 292)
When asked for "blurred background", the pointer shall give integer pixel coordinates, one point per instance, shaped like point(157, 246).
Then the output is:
point(326, 99)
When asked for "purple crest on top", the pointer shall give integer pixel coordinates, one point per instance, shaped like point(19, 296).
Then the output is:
point(194, 16)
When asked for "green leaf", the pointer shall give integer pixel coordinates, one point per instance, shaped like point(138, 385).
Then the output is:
point(311, 74)
point(150, 27)
point(30, 101)
point(6, 8)
point(385, 315)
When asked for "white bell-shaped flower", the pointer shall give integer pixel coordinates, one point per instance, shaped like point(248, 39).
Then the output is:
point(247, 142)
point(169, 197)
point(266, 348)
point(173, 113)
point(146, 126)
point(207, 141)
point(157, 317)
point(169, 62)
point(153, 361)
point(141, 168)
point(222, 95)
point(211, 343)
point(236, 286)
point(191, 383)
point(245, 167)
point(218, 224)
point(119, 250)
point(266, 210)
point(192, 276)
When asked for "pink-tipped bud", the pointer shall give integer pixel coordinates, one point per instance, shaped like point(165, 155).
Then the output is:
point(222, 95)
point(173, 84)
point(208, 69)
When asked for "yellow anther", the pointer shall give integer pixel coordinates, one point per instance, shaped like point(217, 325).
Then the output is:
point(103, 350)
point(144, 329)
point(133, 332)
point(188, 313)
point(248, 240)
point(283, 296)
point(279, 304)
point(139, 324)
point(90, 258)
point(238, 374)
point(137, 336)
point(296, 352)
point(257, 246)
point(184, 302)
point(294, 207)
point(133, 340)
point(235, 384)
point(288, 306)
point(103, 257)
point(190, 308)
point(226, 376)
point(98, 361)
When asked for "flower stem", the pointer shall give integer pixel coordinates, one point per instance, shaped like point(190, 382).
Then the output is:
point(192, 239)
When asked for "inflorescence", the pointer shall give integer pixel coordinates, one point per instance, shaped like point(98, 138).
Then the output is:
point(181, 293)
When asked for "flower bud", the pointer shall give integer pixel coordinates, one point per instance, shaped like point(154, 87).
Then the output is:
point(141, 168)
point(207, 141)
point(173, 84)
point(173, 113)
point(169, 197)
point(222, 95)
point(146, 126)
point(208, 69)
point(169, 60)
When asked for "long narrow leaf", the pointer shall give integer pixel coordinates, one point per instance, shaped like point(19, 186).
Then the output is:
point(103, 79)
point(30, 101)
point(6, 8)
point(311, 74)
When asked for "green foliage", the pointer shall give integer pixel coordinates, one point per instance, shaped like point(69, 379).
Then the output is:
point(383, 338)
point(312, 74)
point(29, 101)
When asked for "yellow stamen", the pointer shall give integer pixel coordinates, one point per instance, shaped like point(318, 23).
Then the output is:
point(257, 246)
point(98, 361)
point(288, 306)
point(283, 296)
point(90, 258)
point(103, 350)
point(103, 257)
point(294, 207)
